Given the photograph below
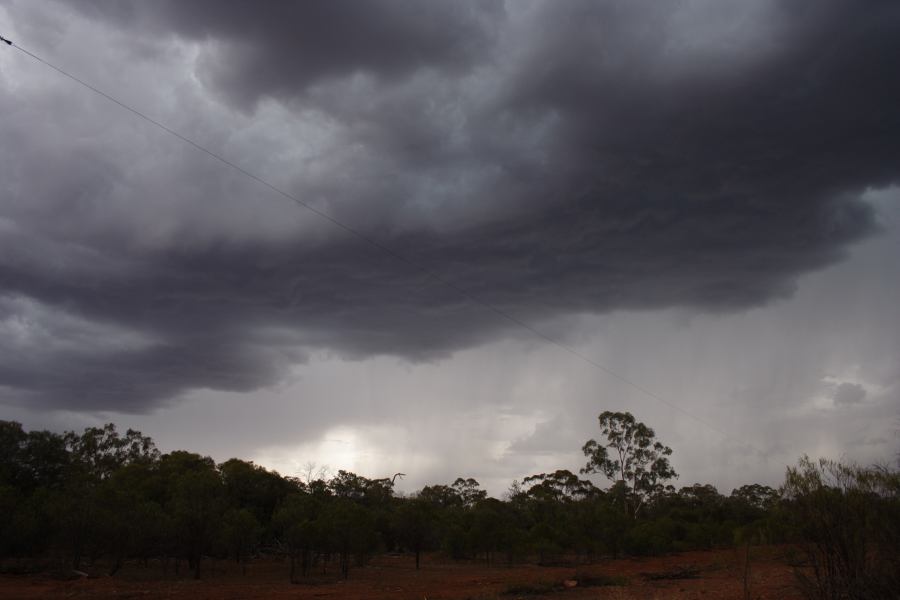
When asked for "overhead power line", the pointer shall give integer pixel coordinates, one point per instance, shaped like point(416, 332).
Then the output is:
point(429, 272)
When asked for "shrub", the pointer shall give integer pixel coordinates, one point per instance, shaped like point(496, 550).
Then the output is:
point(847, 519)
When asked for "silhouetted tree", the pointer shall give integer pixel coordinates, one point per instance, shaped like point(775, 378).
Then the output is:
point(240, 532)
point(196, 503)
point(415, 523)
point(351, 531)
point(101, 450)
point(469, 491)
point(630, 454)
point(298, 524)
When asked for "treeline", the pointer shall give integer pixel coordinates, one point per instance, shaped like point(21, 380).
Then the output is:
point(101, 498)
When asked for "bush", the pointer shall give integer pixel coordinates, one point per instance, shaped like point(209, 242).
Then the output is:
point(651, 537)
point(847, 519)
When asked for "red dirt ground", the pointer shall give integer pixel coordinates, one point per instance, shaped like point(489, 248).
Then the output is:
point(394, 577)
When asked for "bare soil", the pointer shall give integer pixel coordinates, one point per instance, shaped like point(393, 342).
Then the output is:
point(702, 575)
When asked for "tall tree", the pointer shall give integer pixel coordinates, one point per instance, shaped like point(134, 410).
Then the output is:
point(469, 491)
point(102, 450)
point(415, 523)
point(298, 525)
point(240, 532)
point(632, 455)
point(561, 486)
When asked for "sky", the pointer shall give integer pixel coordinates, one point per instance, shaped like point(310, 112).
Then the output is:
point(524, 213)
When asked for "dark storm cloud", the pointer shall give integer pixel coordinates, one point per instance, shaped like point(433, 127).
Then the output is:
point(281, 48)
point(591, 157)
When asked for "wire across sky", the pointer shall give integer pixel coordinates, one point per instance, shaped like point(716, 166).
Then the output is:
point(433, 277)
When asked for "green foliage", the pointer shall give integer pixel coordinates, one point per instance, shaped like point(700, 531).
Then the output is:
point(468, 491)
point(558, 487)
point(756, 496)
point(630, 455)
point(240, 532)
point(296, 524)
point(848, 520)
point(350, 529)
point(652, 537)
point(416, 525)
point(100, 497)
point(441, 496)
point(100, 451)
point(254, 488)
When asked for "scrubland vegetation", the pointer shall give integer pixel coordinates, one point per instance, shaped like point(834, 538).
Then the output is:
point(97, 500)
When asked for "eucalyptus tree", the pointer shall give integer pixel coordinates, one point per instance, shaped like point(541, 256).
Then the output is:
point(100, 451)
point(630, 456)
point(469, 491)
point(299, 526)
point(416, 525)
